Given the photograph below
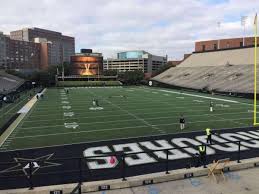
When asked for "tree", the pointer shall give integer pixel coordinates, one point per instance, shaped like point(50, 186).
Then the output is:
point(110, 72)
point(131, 77)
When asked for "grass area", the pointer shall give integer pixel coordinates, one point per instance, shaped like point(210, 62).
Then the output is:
point(127, 112)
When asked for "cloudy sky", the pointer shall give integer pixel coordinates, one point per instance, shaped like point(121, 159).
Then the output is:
point(158, 26)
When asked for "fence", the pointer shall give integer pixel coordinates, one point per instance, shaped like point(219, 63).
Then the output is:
point(75, 169)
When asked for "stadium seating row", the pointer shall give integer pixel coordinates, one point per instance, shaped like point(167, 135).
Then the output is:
point(227, 78)
point(9, 82)
point(223, 71)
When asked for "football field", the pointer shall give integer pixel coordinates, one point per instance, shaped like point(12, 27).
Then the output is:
point(65, 118)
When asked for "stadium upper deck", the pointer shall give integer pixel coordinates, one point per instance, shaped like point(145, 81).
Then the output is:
point(223, 71)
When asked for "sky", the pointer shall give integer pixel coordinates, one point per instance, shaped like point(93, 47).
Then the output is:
point(161, 27)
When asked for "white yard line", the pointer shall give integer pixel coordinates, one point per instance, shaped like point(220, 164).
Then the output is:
point(114, 115)
point(114, 129)
point(129, 113)
point(231, 120)
point(199, 96)
point(205, 97)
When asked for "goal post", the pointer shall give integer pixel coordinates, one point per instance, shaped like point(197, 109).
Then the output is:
point(255, 69)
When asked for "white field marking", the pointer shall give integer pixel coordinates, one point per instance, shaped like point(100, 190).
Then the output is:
point(125, 138)
point(51, 126)
point(114, 121)
point(115, 115)
point(114, 129)
point(100, 122)
point(66, 107)
point(155, 92)
point(62, 98)
point(207, 97)
point(146, 113)
point(180, 97)
point(96, 108)
point(41, 109)
point(251, 111)
point(136, 117)
point(198, 101)
point(64, 102)
point(231, 120)
point(164, 94)
point(67, 114)
point(147, 110)
point(223, 105)
point(73, 125)
point(149, 107)
point(132, 102)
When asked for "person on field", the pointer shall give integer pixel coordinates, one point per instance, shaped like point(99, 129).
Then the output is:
point(208, 133)
point(95, 102)
point(211, 106)
point(182, 122)
point(202, 155)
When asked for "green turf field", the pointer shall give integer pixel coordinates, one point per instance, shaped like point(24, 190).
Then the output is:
point(62, 118)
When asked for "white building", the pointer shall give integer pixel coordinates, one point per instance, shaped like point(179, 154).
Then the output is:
point(135, 60)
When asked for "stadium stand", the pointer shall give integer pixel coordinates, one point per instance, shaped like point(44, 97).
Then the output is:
point(222, 71)
point(9, 82)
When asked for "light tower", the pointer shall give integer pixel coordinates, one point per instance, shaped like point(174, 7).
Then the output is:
point(243, 23)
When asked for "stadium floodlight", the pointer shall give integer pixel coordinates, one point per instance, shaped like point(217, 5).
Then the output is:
point(243, 23)
point(218, 24)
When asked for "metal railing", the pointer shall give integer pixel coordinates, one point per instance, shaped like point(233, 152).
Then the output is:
point(81, 173)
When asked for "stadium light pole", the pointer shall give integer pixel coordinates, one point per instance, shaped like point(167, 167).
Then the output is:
point(243, 23)
point(218, 24)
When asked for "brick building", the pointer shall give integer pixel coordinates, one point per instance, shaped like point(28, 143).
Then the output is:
point(62, 47)
point(16, 54)
point(211, 45)
point(35, 48)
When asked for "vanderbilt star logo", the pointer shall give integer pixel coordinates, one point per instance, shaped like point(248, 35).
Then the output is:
point(23, 165)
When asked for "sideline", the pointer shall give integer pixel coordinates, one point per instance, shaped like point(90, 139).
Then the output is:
point(206, 97)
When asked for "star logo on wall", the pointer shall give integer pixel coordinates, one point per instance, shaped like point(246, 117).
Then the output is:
point(24, 164)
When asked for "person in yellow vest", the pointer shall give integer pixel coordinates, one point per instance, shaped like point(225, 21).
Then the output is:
point(202, 153)
point(208, 133)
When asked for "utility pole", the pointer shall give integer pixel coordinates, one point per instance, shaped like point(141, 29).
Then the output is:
point(243, 23)
point(218, 25)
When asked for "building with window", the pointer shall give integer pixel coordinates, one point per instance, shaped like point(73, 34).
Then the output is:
point(212, 45)
point(135, 60)
point(2, 49)
point(16, 54)
point(62, 47)
point(34, 49)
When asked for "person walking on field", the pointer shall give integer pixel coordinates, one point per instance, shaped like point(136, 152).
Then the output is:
point(182, 122)
point(208, 133)
point(211, 106)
